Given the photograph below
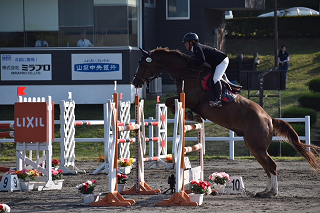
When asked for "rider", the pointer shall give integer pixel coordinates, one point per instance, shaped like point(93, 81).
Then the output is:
point(212, 56)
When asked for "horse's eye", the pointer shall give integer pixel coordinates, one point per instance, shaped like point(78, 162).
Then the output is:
point(148, 59)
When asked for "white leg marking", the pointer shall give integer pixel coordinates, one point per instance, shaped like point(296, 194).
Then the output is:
point(274, 183)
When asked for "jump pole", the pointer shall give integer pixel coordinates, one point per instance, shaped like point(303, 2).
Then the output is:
point(5, 135)
point(7, 126)
point(113, 198)
point(180, 198)
point(141, 187)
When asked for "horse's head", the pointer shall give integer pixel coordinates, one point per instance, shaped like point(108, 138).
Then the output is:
point(145, 71)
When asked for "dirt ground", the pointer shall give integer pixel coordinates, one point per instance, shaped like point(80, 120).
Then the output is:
point(299, 191)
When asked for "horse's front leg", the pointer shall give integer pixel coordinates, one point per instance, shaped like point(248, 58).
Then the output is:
point(196, 118)
point(170, 103)
point(188, 115)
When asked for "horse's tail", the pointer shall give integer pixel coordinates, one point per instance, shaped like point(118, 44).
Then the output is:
point(309, 152)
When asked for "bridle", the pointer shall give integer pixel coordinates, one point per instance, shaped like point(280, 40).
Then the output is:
point(141, 76)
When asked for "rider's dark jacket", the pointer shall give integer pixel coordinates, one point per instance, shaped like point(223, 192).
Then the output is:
point(207, 54)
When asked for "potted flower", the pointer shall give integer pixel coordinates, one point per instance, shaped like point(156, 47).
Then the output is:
point(25, 177)
point(219, 179)
point(86, 189)
point(4, 208)
point(169, 158)
point(57, 174)
point(101, 159)
point(169, 161)
point(55, 163)
point(125, 165)
point(198, 189)
point(122, 180)
point(57, 177)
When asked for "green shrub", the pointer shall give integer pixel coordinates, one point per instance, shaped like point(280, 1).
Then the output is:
point(314, 85)
point(300, 112)
point(264, 27)
point(274, 149)
point(310, 100)
point(286, 149)
point(299, 128)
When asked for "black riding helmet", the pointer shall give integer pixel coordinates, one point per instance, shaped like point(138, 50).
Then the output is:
point(190, 37)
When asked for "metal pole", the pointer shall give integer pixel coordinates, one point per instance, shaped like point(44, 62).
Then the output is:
point(275, 35)
point(261, 90)
point(279, 103)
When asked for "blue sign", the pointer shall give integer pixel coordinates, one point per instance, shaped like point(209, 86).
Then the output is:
point(96, 67)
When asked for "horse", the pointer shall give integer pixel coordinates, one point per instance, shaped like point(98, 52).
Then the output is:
point(243, 116)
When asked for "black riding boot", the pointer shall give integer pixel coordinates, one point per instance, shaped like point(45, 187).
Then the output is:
point(218, 93)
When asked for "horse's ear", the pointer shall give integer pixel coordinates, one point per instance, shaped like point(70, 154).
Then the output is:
point(144, 52)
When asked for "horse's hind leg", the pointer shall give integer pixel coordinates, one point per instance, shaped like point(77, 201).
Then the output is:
point(269, 166)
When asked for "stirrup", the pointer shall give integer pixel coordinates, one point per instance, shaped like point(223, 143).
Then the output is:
point(216, 103)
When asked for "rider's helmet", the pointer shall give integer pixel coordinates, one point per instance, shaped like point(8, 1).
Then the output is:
point(190, 37)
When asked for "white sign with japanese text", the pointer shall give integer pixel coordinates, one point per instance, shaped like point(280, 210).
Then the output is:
point(23, 67)
point(96, 66)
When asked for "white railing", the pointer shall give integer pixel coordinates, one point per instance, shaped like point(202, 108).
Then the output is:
point(232, 138)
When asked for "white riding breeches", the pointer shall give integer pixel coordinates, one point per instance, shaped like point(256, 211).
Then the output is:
point(220, 69)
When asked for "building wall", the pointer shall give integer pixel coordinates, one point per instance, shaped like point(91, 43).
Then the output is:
point(171, 32)
point(150, 29)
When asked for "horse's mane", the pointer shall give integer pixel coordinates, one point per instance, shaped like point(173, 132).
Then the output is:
point(185, 58)
point(174, 52)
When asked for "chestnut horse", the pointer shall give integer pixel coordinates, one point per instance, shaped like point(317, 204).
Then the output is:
point(243, 116)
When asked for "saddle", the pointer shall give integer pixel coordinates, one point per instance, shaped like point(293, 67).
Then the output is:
point(229, 90)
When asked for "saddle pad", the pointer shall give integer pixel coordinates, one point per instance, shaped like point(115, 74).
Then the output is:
point(227, 95)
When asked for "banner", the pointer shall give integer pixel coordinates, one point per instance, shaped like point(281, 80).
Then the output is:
point(26, 67)
point(96, 66)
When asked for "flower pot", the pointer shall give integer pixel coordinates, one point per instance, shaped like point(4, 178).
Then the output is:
point(125, 170)
point(59, 183)
point(219, 188)
point(27, 185)
point(121, 187)
point(89, 198)
point(196, 198)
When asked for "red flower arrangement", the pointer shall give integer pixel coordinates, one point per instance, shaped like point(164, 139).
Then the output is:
point(122, 179)
point(200, 187)
point(55, 162)
point(4, 208)
point(87, 187)
point(57, 174)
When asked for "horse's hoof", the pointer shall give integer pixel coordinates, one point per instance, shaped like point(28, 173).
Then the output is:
point(265, 194)
point(197, 118)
